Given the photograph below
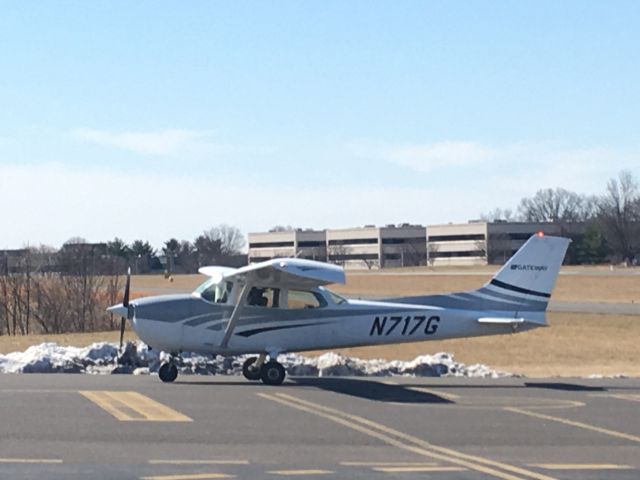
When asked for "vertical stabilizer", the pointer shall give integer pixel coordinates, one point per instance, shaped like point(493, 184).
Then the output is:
point(532, 272)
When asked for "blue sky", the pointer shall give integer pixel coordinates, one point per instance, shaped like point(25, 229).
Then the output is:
point(159, 119)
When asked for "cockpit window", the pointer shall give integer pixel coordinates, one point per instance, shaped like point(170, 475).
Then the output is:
point(335, 298)
point(297, 299)
point(264, 297)
point(215, 292)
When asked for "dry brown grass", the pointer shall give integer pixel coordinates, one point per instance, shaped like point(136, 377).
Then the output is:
point(574, 345)
point(21, 343)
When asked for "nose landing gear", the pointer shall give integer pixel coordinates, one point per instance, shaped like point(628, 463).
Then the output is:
point(168, 372)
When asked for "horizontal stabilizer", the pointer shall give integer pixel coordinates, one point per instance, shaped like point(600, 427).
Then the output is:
point(509, 321)
point(500, 320)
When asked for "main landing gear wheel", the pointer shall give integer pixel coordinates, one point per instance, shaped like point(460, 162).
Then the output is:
point(272, 373)
point(168, 372)
point(249, 371)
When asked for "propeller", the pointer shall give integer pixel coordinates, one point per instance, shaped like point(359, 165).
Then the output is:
point(125, 303)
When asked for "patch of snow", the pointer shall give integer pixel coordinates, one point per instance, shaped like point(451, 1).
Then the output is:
point(104, 358)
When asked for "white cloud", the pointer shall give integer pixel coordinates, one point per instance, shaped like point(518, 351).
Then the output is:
point(170, 142)
point(429, 156)
point(53, 202)
point(522, 167)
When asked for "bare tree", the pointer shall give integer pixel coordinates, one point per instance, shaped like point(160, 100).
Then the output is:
point(281, 228)
point(337, 254)
point(499, 248)
point(432, 250)
point(231, 239)
point(481, 248)
point(219, 244)
point(556, 205)
point(499, 214)
point(620, 215)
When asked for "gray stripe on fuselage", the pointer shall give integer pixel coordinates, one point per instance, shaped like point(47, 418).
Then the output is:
point(466, 301)
point(202, 319)
point(530, 305)
point(195, 312)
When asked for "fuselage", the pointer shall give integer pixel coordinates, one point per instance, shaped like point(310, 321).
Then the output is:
point(191, 323)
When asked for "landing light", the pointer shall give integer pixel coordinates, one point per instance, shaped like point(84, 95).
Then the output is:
point(540, 234)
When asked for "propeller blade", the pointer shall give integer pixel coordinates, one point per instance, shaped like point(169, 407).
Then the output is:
point(122, 325)
point(127, 288)
point(125, 303)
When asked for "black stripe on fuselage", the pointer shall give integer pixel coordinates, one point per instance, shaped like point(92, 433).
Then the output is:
point(513, 288)
point(256, 331)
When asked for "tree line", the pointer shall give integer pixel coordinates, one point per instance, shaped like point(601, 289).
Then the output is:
point(611, 220)
point(44, 290)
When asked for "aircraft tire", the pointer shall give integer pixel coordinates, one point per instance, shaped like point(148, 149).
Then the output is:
point(272, 373)
point(250, 373)
point(168, 372)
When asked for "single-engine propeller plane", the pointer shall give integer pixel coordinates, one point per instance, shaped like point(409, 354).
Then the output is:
point(282, 305)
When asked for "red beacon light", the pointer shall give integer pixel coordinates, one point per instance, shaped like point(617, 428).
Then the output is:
point(540, 234)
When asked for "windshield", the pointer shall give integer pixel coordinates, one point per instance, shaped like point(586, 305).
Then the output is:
point(214, 292)
point(335, 298)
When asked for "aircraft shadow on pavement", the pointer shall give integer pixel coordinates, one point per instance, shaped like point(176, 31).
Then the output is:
point(372, 390)
point(567, 387)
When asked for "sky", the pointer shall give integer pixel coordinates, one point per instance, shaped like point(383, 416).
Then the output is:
point(152, 119)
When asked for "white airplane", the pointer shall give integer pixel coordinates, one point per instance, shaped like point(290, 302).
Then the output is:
point(282, 305)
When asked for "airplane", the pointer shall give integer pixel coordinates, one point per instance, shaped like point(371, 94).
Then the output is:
point(283, 305)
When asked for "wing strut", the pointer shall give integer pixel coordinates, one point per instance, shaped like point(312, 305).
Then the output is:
point(235, 315)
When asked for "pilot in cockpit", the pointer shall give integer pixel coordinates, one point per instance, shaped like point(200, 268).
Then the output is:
point(256, 297)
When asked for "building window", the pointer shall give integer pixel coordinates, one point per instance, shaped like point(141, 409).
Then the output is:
point(259, 259)
point(270, 244)
point(311, 244)
point(355, 256)
point(455, 238)
point(402, 241)
point(456, 254)
point(354, 241)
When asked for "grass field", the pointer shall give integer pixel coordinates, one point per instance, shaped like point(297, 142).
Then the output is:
point(574, 345)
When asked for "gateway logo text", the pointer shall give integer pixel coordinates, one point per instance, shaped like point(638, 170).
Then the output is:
point(530, 268)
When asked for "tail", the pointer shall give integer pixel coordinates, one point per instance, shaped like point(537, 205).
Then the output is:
point(525, 282)
point(519, 292)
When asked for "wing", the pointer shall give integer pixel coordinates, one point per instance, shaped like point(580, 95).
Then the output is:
point(277, 273)
point(281, 272)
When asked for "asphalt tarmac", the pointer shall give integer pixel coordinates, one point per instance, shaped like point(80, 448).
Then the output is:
point(132, 427)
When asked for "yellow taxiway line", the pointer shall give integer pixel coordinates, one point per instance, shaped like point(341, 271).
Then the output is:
point(407, 442)
point(195, 476)
point(389, 464)
point(300, 472)
point(31, 460)
point(573, 423)
point(419, 469)
point(133, 407)
point(581, 466)
point(198, 462)
point(626, 396)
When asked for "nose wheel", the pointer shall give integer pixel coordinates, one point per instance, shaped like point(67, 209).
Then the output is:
point(251, 368)
point(168, 372)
